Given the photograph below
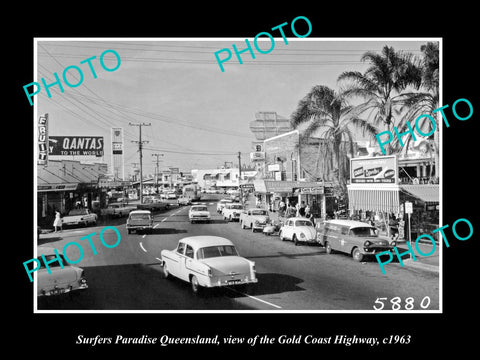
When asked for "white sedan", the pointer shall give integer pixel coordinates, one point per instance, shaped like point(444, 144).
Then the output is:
point(199, 213)
point(298, 229)
point(59, 280)
point(208, 261)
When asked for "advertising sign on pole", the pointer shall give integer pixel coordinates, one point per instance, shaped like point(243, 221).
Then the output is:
point(42, 140)
point(374, 170)
point(76, 145)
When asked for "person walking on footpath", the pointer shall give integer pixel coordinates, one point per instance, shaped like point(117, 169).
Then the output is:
point(58, 221)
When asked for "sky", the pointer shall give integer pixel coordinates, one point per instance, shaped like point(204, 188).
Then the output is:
point(199, 115)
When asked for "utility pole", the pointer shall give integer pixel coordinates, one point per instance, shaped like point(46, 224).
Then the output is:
point(140, 144)
point(156, 170)
point(240, 176)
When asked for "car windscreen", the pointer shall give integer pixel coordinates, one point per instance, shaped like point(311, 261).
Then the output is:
point(303, 223)
point(259, 212)
point(237, 207)
point(199, 208)
point(75, 212)
point(363, 231)
point(217, 251)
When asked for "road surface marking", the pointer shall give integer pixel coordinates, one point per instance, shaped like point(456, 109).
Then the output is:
point(255, 298)
point(143, 236)
point(142, 247)
point(163, 219)
point(156, 225)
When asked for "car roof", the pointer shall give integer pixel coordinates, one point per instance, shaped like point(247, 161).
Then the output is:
point(205, 240)
point(298, 218)
point(140, 212)
point(349, 223)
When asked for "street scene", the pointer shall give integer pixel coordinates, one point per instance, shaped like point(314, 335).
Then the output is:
point(164, 184)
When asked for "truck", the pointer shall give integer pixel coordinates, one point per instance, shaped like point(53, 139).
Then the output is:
point(255, 219)
point(191, 191)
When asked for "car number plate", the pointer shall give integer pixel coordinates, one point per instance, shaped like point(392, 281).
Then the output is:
point(236, 281)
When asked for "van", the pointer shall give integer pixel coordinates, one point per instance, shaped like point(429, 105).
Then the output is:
point(356, 238)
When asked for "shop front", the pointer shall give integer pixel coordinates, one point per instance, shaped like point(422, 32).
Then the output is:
point(271, 194)
point(375, 196)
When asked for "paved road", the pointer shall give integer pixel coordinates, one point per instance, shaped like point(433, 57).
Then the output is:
point(128, 277)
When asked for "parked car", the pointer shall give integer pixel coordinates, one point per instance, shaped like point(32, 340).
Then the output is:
point(60, 280)
point(221, 204)
point(171, 195)
point(232, 211)
point(255, 219)
point(356, 238)
point(117, 210)
point(298, 229)
point(184, 201)
point(139, 220)
point(81, 216)
point(199, 213)
point(208, 261)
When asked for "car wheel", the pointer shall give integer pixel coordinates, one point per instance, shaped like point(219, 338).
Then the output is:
point(129, 231)
point(243, 225)
point(195, 285)
point(166, 273)
point(230, 218)
point(357, 255)
point(328, 248)
point(253, 229)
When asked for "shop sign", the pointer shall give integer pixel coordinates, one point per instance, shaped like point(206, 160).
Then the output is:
point(76, 145)
point(274, 167)
point(42, 140)
point(374, 170)
point(56, 187)
point(317, 190)
point(247, 186)
point(257, 156)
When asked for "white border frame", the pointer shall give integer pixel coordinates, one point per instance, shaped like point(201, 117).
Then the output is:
point(372, 311)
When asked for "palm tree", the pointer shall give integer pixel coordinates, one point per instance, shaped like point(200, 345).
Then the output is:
point(419, 103)
point(323, 108)
point(382, 84)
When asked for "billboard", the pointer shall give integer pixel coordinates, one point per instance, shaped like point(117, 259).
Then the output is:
point(42, 140)
point(76, 145)
point(118, 167)
point(374, 170)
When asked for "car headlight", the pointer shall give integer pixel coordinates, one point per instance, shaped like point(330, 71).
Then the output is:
point(257, 222)
point(393, 243)
point(302, 236)
point(367, 243)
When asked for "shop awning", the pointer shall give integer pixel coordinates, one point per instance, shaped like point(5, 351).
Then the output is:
point(374, 198)
point(428, 193)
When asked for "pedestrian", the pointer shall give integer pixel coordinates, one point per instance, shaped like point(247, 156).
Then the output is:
point(301, 209)
point(58, 221)
point(311, 218)
point(307, 211)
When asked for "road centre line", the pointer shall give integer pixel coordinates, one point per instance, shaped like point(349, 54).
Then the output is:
point(140, 243)
point(255, 298)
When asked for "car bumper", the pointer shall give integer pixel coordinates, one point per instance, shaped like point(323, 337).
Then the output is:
point(59, 291)
point(200, 219)
point(376, 250)
point(139, 227)
point(231, 282)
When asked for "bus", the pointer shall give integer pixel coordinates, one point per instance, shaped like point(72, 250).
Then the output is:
point(191, 192)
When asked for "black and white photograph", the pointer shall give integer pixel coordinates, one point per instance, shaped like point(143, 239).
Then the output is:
point(274, 193)
point(243, 181)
